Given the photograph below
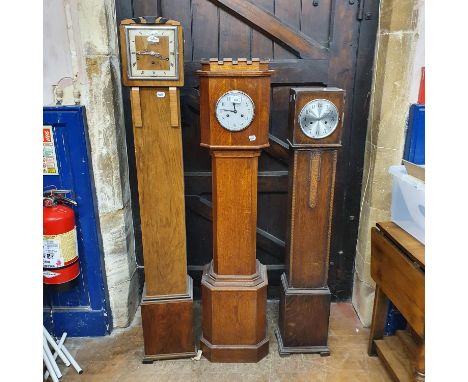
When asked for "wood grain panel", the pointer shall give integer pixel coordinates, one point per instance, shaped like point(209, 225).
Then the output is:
point(168, 328)
point(181, 11)
point(405, 242)
point(303, 318)
point(280, 112)
point(158, 148)
point(234, 36)
point(345, 28)
point(205, 31)
point(261, 45)
point(308, 248)
point(316, 20)
point(146, 8)
point(289, 12)
point(148, 62)
point(136, 107)
point(399, 280)
point(273, 27)
point(234, 211)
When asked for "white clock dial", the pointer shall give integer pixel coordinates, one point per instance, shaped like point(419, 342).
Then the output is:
point(318, 118)
point(152, 52)
point(235, 110)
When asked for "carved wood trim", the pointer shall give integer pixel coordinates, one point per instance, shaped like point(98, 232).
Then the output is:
point(314, 177)
point(136, 107)
point(174, 106)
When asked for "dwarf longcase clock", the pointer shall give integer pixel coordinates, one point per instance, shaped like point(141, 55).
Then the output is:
point(315, 128)
point(234, 119)
point(152, 64)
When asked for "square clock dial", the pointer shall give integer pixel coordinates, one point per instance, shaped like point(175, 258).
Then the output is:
point(152, 52)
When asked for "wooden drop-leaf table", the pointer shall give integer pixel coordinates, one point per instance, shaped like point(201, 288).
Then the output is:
point(397, 267)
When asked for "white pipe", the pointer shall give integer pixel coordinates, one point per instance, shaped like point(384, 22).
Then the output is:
point(49, 368)
point(51, 358)
point(55, 347)
point(62, 340)
point(77, 367)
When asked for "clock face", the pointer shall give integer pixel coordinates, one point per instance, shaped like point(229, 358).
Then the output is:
point(152, 52)
point(235, 110)
point(318, 118)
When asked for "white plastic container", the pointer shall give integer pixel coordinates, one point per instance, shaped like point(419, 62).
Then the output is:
point(408, 202)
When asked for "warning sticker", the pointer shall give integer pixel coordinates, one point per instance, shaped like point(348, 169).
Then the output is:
point(49, 163)
point(49, 274)
point(51, 254)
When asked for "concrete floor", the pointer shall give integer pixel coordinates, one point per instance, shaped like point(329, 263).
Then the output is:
point(118, 357)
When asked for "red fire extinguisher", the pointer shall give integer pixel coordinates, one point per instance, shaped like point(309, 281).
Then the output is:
point(60, 245)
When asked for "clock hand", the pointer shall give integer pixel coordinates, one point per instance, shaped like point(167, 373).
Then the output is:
point(235, 111)
point(151, 53)
point(232, 111)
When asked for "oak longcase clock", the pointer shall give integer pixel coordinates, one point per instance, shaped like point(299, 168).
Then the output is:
point(315, 128)
point(152, 64)
point(234, 119)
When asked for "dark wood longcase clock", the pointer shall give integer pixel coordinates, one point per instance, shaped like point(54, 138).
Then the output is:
point(315, 129)
point(152, 64)
point(234, 120)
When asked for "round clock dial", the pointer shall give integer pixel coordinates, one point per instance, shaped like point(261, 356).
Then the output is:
point(235, 110)
point(318, 118)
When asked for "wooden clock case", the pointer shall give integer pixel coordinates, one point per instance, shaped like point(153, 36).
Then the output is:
point(305, 297)
point(167, 303)
point(234, 284)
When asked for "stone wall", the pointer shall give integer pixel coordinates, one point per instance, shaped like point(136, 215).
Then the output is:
point(89, 58)
point(399, 56)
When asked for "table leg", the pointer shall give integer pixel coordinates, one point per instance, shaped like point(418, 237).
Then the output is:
point(379, 316)
point(419, 364)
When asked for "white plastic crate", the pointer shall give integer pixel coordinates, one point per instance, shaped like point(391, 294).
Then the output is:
point(408, 202)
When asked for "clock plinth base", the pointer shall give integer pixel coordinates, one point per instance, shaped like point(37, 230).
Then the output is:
point(234, 316)
point(234, 353)
point(168, 326)
point(303, 319)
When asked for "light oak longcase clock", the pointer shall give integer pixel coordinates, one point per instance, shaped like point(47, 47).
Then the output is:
point(315, 128)
point(234, 119)
point(152, 64)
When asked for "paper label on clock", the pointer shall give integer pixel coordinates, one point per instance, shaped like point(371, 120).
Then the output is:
point(252, 138)
point(160, 94)
point(153, 39)
point(49, 156)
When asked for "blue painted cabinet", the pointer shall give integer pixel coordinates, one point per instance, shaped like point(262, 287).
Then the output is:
point(80, 307)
